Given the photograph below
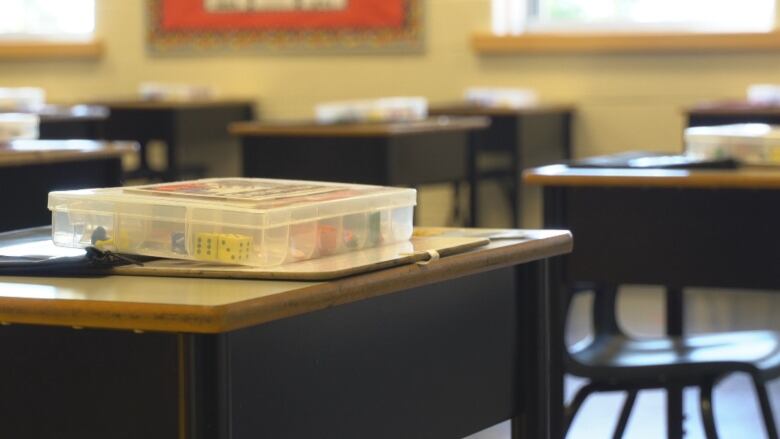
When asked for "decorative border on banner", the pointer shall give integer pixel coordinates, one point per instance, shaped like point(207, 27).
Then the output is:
point(408, 37)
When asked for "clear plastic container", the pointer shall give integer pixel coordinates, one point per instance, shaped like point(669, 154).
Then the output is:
point(158, 91)
point(15, 126)
point(764, 94)
point(246, 221)
point(393, 109)
point(751, 143)
point(22, 98)
point(493, 97)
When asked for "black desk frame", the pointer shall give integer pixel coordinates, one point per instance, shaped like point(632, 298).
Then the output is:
point(437, 361)
point(26, 187)
point(529, 140)
point(72, 128)
point(675, 237)
point(387, 160)
point(705, 119)
point(174, 126)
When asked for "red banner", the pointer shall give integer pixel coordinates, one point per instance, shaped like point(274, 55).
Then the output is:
point(282, 15)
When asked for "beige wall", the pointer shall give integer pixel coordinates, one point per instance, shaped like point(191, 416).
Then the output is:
point(625, 101)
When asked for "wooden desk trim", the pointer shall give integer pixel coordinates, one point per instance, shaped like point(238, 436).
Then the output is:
point(10, 158)
point(560, 175)
point(466, 109)
point(223, 318)
point(431, 125)
point(668, 42)
point(25, 50)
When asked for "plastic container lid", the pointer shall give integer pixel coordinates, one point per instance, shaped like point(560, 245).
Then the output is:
point(764, 94)
point(159, 91)
point(390, 109)
point(757, 134)
point(501, 97)
point(22, 98)
point(257, 222)
point(15, 126)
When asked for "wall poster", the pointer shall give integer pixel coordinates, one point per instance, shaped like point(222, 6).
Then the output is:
point(187, 26)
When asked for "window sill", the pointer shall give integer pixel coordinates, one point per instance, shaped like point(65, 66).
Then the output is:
point(31, 50)
point(548, 43)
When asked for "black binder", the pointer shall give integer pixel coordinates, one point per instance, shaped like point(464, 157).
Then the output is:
point(651, 160)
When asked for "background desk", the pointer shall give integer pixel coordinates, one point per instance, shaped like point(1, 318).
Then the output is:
point(177, 124)
point(673, 228)
point(728, 112)
point(64, 122)
point(436, 351)
point(30, 169)
point(389, 154)
point(516, 139)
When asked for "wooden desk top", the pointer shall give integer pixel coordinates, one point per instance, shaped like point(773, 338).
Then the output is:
point(217, 305)
point(466, 109)
point(27, 152)
point(141, 104)
point(379, 129)
point(744, 178)
point(733, 108)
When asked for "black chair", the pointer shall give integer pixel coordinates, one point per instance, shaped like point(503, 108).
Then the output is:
point(614, 361)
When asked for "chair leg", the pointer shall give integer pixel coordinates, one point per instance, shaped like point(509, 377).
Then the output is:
point(625, 413)
point(580, 397)
point(766, 407)
point(705, 405)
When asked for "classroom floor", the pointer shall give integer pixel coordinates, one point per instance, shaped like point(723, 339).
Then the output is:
point(641, 311)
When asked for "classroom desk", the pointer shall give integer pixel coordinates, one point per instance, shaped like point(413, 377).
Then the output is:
point(64, 122)
point(432, 351)
point(519, 138)
point(729, 112)
point(176, 123)
point(30, 169)
point(674, 228)
point(434, 150)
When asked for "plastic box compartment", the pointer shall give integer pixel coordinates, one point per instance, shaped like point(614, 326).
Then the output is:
point(246, 221)
point(752, 143)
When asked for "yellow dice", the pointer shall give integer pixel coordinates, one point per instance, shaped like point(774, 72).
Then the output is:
point(207, 246)
point(234, 249)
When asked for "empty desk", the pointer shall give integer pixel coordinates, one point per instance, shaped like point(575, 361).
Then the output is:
point(517, 139)
point(674, 228)
point(30, 169)
point(177, 124)
point(390, 154)
point(442, 350)
point(728, 112)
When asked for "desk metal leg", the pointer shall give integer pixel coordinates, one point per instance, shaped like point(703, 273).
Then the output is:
point(536, 373)
point(675, 416)
point(473, 177)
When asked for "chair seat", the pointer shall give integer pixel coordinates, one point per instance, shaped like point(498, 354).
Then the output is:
point(614, 358)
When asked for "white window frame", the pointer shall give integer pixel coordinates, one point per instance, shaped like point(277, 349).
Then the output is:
point(516, 17)
point(31, 30)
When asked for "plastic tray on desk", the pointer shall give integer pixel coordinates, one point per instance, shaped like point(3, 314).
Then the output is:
point(245, 221)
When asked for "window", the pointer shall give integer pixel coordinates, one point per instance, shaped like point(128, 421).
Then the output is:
point(519, 16)
point(67, 20)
